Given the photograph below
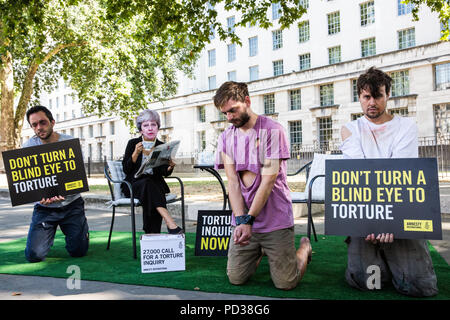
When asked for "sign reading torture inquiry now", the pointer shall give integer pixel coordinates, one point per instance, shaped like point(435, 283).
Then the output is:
point(213, 232)
point(45, 171)
point(399, 196)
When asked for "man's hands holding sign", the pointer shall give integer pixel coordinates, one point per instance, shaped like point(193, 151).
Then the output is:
point(47, 201)
point(381, 238)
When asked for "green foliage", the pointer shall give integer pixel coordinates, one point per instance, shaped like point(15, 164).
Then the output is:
point(119, 55)
point(442, 7)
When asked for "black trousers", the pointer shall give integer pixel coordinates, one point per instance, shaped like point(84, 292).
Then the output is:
point(151, 196)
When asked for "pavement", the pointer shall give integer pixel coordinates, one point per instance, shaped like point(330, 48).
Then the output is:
point(14, 223)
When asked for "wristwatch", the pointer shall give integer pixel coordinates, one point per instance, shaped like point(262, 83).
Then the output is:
point(245, 219)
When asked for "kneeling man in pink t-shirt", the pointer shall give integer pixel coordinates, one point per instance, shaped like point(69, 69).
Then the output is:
point(253, 152)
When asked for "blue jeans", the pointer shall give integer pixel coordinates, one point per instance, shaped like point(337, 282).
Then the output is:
point(73, 223)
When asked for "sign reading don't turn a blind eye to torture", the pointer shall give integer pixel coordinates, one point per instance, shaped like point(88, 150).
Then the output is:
point(399, 196)
point(45, 171)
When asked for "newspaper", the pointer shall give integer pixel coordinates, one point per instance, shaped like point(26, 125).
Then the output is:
point(160, 156)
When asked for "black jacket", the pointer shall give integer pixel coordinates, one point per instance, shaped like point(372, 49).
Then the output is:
point(131, 168)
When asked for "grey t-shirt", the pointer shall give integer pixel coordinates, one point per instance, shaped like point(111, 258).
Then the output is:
point(36, 141)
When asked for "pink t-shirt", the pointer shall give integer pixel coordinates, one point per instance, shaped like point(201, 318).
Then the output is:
point(267, 140)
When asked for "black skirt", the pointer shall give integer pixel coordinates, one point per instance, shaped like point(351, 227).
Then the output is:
point(151, 196)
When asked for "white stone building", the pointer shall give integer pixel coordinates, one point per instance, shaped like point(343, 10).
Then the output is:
point(303, 76)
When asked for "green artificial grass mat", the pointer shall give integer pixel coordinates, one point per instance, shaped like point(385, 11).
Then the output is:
point(324, 278)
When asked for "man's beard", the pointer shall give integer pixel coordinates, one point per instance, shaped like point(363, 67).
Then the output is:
point(47, 136)
point(242, 120)
point(376, 115)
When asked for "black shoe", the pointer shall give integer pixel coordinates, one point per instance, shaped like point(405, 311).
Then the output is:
point(177, 230)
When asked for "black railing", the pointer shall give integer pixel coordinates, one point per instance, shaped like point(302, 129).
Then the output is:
point(429, 147)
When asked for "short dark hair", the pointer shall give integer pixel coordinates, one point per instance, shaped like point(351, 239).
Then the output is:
point(37, 109)
point(230, 90)
point(372, 80)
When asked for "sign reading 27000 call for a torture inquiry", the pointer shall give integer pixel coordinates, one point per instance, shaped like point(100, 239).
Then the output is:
point(45, 171)
point(399, 196)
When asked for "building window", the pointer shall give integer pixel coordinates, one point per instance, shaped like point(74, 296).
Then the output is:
point(368, 47)
point(278, 68)
point(442, 76)
point(304, 3)
point(253, 73)
point(231, 75)
point(334, 24)
point(212, 82)
point(334, 55)
point(80, 133)
point(399, 111)
point(221, 116)
point(269, 104)
point(277, 39)
point(443, 26)
point(400, 83)
point(305, 61)
point(406, 38)
point(201, 141)
point(276, 11)
point(367, 10)
point(355, 116)
point(91, 131)
point(442, 120)
point(253, 46)
point(211, 58)
point(100, 129)
point(231, 52)
point(112, 128)
point(166, 118)
point(325, 131)
point(355, 97)
point(212, 32)
point(50, 103)
point(57, 102)
point(201, 114)
point(404, 8)
point(295, 134)
point(303, 31)
point(230, 24)
point(295, 99)
point(111, 150)
point(326, 95)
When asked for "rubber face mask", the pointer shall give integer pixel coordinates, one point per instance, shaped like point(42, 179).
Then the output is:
point(149, 130)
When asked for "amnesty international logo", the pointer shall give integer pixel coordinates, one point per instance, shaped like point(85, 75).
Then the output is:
point(74, 185)
point(418, 225)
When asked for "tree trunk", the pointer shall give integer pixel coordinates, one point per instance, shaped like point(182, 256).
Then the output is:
point(25, 97)
point(7, 130)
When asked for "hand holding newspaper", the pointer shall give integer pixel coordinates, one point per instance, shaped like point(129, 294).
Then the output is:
point(160, 156)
